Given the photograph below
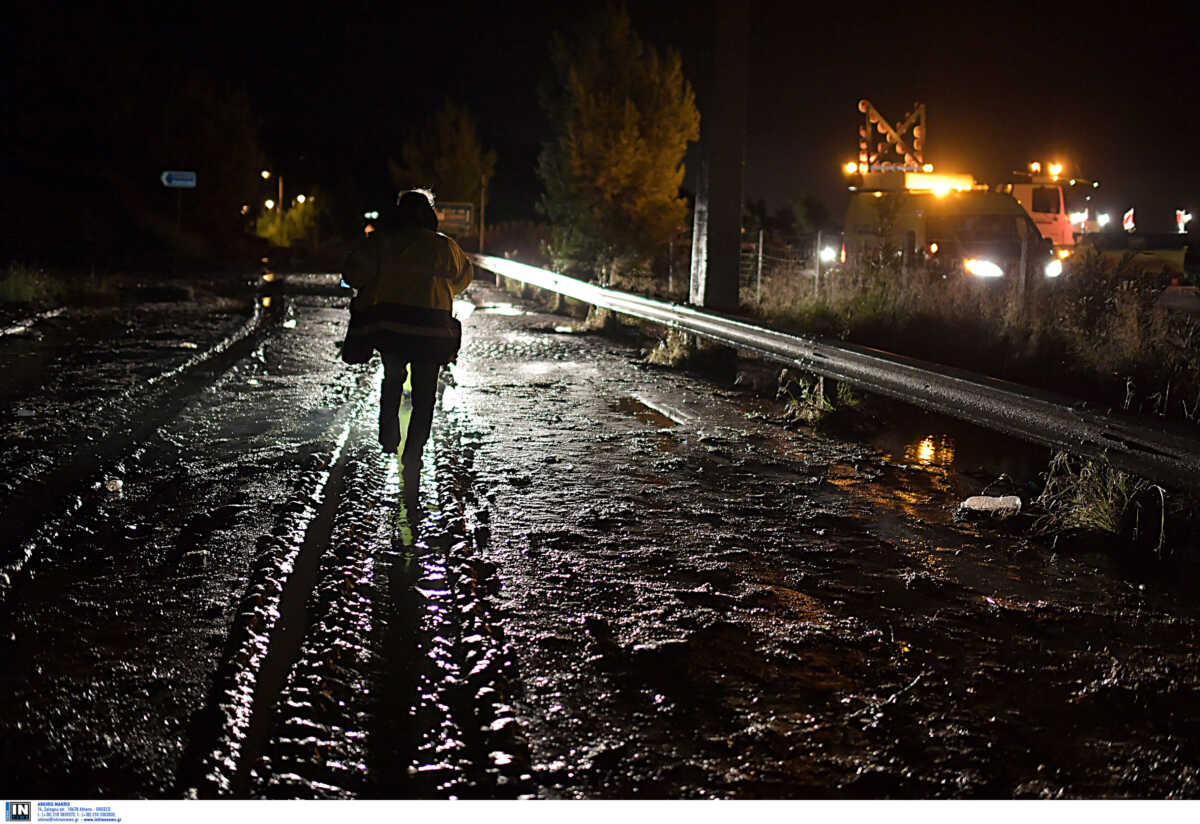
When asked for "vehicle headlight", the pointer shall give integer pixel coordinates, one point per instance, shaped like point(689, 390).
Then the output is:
point(1053, 268)
point(982, 268)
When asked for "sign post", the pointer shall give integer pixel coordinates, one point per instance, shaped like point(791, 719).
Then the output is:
point(178, 180)
point(456, 218)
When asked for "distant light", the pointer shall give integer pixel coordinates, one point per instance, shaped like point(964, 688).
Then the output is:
point(940, 184)
point(368, 229)
point(1127, 221)
point(300, 198)
point(1054, 268)
point(1078, 218)
point(371, 215)
point(266, 301)
point(1035, 167)
point(862, 168)
point(270, 204)
point(851, 167)
point(933, 247)
point(927, 168)
point(1063, 254)
point(1095, 184)
point(982, 268)
point(828, 254)
point(266, 175)
point(878, 194)
point(1182, 219)
point(1055, 169)
point(1103, 220)
point(268, 277)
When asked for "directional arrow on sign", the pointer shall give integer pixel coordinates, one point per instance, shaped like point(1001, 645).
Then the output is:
point(178, 180)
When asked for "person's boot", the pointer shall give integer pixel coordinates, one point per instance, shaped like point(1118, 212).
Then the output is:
point(389, 433)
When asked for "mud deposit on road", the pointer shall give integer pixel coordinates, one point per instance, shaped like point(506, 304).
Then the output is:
point(614, 581)
point(707, 604)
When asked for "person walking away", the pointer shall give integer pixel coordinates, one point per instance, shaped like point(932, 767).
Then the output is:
point(407, 274)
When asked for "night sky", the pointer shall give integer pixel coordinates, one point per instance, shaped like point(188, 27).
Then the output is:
point(1112, 95)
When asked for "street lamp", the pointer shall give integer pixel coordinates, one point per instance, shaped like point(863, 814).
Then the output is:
point(300, 198)
point(266, 175)
point(270, 204)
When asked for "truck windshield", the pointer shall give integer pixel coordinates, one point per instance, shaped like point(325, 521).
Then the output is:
point(1046, 199)
point(974, 227)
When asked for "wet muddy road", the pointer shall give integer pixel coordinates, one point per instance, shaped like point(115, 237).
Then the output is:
point(614, 581)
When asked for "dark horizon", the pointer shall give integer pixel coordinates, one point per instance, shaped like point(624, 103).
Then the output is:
point(332, 106)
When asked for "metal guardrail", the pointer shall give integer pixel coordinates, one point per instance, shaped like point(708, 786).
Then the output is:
point(1148, 450)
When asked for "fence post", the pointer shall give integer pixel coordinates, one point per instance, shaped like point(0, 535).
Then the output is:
point(758, 274)
point(671, 268)
point(817, 257)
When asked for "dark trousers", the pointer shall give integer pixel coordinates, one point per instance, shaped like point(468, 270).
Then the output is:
point(424, 395)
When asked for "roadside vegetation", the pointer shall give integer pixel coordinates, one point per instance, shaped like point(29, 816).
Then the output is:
point(23, 287)
point(623, 115)
point(1096, 333)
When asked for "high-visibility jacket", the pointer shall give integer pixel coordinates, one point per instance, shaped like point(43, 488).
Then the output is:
point(406, 284)
point(412, 267)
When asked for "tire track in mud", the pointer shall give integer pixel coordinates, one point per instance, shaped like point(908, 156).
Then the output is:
point(466, 741)
point(263, 636)
point(42, 506)
point(366, 658)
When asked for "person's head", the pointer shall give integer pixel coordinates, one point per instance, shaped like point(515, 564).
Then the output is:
point(414, 210)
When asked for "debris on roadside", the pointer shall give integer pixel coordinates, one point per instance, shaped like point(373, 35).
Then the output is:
point(996, 506)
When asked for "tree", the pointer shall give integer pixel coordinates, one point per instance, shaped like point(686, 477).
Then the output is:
point(283, 227)
point(623, 116)
point(446, 156)
point(810, 215)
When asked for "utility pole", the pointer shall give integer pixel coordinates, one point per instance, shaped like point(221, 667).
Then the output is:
point(717, 219)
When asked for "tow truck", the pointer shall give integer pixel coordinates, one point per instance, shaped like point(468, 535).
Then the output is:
point(902, 211)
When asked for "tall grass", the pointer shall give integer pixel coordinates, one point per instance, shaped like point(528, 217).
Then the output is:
point(1095, 332)
point(21, 284)
point(1092, 496)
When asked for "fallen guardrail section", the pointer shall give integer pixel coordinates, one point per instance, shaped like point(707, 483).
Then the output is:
point(1146, 449)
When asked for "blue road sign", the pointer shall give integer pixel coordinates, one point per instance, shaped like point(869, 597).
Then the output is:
point(179, 180)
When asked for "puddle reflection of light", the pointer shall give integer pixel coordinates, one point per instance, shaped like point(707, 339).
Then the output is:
point(932, 450)
point(544, 367)
point(500, 309)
